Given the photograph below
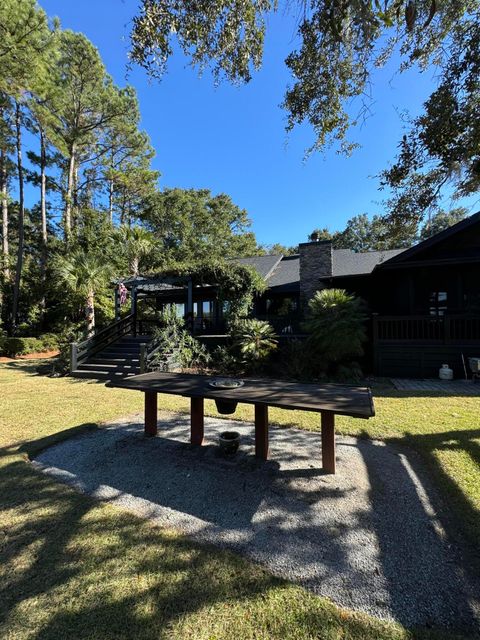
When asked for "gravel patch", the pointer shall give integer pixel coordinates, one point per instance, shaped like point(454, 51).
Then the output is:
point(368, 537)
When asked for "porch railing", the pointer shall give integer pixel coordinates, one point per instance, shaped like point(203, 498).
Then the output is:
point(81, 351)
point(284, 325)
point(432, 329)
point(147, 351)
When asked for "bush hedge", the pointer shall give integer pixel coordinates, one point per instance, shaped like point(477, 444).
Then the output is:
point(16, 346)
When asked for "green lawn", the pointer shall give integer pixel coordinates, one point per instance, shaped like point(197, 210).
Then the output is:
point(73, 568)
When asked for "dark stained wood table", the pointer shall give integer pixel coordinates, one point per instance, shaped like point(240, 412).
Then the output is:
point(327, 399)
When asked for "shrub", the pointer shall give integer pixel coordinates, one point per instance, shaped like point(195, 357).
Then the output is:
point(295, 359)
point(49, 341)
point(336, 324)
point(224, 361)
point(73, 333)
point(255, 340)
point(178, 348)
point(19, 346)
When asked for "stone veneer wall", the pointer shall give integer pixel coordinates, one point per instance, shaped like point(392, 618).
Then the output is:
point(315, 264)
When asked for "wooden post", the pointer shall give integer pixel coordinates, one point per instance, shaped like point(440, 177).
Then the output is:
point(150, 413)
point(117, 304)
point(328, 441)
point(143, 357)
point(189, 309)
point(196, 421)
point(261, 431)
point(375, 349)
point(133, 303)
point(73, 357)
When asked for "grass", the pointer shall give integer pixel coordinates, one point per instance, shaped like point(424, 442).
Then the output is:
point(74, 568)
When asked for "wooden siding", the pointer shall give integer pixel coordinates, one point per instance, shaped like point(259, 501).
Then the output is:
point(417, 346)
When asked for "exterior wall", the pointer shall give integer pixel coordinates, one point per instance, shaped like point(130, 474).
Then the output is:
point(315, 265)
point(422, 360)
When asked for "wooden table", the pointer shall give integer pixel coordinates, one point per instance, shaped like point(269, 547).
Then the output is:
point(327, 399)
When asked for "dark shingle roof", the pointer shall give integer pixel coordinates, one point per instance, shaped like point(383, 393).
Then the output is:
point(282, 274)
point(346, 262)
point(286, 276)
point(263, 264)
point(145, 283)
point(466, 223)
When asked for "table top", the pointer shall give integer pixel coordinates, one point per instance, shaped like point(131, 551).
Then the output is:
point(345, 400)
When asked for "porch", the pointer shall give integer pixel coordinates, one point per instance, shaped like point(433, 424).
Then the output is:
point(417, 346)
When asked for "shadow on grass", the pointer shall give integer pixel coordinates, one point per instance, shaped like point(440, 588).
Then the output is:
point(458, 515)
point(266, 503)
point(84, 572)
point(31, 367)
point(31, 448)
point(75, 569)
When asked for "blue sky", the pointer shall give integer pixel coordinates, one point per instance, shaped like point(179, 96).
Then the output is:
point(233, 140)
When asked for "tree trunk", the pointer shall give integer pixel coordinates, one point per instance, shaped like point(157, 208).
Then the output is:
point(75, 197)
point(123, 208)
point(21, 215)
point(90, 314)
point(69, 195)
point(43, 210)
point(110, 189)
point(4, 197)
point(134, 266)
point(110, 200)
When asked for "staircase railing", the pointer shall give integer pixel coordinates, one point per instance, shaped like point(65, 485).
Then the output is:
point(81, 351)
point(147, 351)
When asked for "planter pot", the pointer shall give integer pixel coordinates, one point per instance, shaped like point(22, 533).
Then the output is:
point(226, 407)
point(229, 442)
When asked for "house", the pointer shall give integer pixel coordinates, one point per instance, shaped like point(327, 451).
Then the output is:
point(424, 302)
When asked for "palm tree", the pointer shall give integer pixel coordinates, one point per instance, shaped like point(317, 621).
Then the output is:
point(83, 274)
point(137, 243)
point(256, 339)
point(336, 324)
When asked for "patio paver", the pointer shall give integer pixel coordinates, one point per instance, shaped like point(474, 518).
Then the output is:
point(447, 387)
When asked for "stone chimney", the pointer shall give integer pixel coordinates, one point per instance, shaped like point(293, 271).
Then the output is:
point(315, 265)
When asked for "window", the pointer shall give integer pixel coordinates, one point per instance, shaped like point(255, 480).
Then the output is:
point(207, 309)
point(180, 308)
point(281, 306)
point(438, 303)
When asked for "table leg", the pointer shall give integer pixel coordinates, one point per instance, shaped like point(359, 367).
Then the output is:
point(196, 421)
point(328, 441)
point(261, 431)
point(150, 413)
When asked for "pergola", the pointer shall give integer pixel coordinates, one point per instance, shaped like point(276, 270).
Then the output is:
point(167, 290)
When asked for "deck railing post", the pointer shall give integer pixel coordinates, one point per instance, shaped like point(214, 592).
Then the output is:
point(73, 356)
point(446, 329)
point(143, 358)
point(375, 342)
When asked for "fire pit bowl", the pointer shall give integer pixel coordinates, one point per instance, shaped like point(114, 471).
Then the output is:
point(229, 442)
point(226, 407)
point(226, 383)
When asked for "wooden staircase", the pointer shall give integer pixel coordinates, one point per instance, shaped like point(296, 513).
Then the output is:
point(114, 352)
point(118, 359)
